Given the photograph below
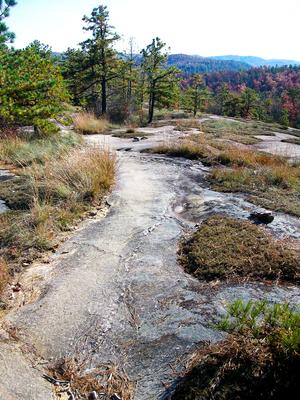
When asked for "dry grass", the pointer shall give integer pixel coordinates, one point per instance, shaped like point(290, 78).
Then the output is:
point(259, 360)
point(271, 181)
point(226, 248)
point(4, 276)
point(24, 150)
point(56, 194)
point(244, 132)
point(87, 123)
point(237, 156)
point(107, 381)
point(274, 187)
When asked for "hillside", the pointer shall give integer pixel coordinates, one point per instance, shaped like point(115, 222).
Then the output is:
point(197, 64)
point(256, 61)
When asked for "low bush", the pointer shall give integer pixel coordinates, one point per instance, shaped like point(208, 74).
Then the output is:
point(259, 359)
point(227, 248)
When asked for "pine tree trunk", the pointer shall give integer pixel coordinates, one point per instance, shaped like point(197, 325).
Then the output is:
point(151, 104)
point(103, 96)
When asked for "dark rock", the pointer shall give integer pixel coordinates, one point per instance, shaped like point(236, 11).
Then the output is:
point(261, 218)
point(93, 396)
point(125, 149)
point(115, 397)
point(136, 139)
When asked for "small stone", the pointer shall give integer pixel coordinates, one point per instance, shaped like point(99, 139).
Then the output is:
point(261, 218)
point(17, 287)
point(115, 397)
point(136, 139)
point(93, 213)
point(93, 396)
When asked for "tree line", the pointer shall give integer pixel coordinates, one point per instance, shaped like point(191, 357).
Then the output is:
point(34, 84)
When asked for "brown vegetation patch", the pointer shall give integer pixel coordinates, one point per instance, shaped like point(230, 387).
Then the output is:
point(292, 141)
point(130, 134)
point(258, 360)
point(271, 181)
point(244, 132)
point(75, 378)
point(276, 187)
point(4, 276)
point(225, 248)
point(87, 123)
point(54, 197)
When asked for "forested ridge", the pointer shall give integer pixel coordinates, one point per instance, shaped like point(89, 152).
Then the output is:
point(132, 86)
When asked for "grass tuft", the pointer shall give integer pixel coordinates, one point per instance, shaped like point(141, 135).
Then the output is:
point(4, 275)
point(87, 123)
point(52, 197)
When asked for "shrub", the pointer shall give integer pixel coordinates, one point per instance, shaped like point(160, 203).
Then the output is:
point(87, 123)
point(45, 128)
point(32, 87)
point(258, 360)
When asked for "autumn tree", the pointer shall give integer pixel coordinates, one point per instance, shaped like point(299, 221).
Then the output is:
point(158, 76)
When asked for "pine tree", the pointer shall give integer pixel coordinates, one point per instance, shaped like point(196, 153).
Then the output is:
point(196, 95)
point(5, 34)
point(222, 98)
point(102, 58)
point(159, 78)
point(31, 88)
point(249, 103)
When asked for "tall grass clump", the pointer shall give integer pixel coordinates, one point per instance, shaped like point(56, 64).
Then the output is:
point(87, 123)
point(3, 274)
point(24, 150)
point(259, 359)
point(58, 192)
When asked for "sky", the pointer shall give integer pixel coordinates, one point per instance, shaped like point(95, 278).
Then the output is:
point(265, 28)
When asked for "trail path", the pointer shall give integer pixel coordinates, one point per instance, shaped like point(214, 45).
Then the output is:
point(115, 292)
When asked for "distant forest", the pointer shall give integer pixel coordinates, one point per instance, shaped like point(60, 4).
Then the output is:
point(131, 87)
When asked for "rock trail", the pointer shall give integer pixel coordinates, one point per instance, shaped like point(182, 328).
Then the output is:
point(115, 292)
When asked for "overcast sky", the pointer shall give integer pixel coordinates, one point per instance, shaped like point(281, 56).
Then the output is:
point(265, 28)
